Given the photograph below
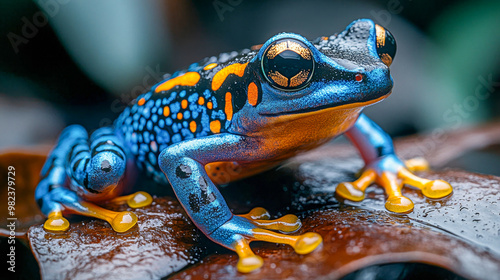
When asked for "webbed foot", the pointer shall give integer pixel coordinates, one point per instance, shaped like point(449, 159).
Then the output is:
point(390, 173)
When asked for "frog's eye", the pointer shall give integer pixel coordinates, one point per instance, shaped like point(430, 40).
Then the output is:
point(288, 64)
point(386, 45)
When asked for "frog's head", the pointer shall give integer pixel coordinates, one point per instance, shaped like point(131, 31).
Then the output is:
point(349, 69)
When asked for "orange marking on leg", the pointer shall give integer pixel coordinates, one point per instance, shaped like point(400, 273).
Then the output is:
point(210, 66)
point(141, 101)
point(210, 105)
point(184, 104)
point(179, 116)
point(215, 126)
point(192, 126)
point(219, 77)
point(186, 79)
point(229, 106)
point(253, 94)
point(166, 111)
point(201, 100)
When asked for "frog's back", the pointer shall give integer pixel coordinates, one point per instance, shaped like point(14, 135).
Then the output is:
point(191, 103)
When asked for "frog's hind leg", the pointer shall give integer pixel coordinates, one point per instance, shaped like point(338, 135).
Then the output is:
point(94, 169)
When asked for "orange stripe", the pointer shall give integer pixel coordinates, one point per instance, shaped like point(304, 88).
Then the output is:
point(210, 66)
point(215, 126)
point(219, 77)
point(186, 79)
point(229, 106)
point(253, 94)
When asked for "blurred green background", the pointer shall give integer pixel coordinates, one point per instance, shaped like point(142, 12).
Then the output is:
point(75, 61)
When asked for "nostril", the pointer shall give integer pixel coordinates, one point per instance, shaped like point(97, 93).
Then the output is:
point(359, 77)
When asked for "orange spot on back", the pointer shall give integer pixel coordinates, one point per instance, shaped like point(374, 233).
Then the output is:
point(210, 66)
point(201, 100)
point(192, 126)
point(219, 77)
point(166, 111)
point(179, 116)
point(210, 105)
point(141, 101)
point(215, 126)
point(253, 94)
point(184, 104)
point(228, 109)
point(186, 79)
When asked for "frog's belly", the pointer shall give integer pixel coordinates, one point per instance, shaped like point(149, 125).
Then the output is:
point(285, 138)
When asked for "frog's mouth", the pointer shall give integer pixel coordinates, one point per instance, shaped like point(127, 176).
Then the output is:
point(315, 110)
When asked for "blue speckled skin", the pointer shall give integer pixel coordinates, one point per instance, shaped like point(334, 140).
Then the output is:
point(170, 135)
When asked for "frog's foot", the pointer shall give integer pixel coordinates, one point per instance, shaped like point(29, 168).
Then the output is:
point(261, 218)
point(135, 200)
point(119, 221)
point(238, 232)
point(56, 222)
point(393, 183)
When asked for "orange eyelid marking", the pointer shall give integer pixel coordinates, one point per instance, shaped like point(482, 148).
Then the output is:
point(210, 105)
point(141, 101)
point(228, 109)
point(253, 94)
point(192, 126)
point(166, 111)
point(219, 77)
point(179, 116)
point(209, 66)
point(186, 79)
point(215, 126)
point(184, 104)
point(380, 31)
point(201, 100)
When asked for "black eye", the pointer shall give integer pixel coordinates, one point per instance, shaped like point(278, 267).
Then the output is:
point(386, 45)
point(288, 64)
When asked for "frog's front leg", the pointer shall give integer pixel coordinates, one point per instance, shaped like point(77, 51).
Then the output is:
point(184, 163)
point(96, 167)
point(386, 169)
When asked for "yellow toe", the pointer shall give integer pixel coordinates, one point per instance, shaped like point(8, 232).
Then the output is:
point(249, 264)
point(399, 204)
point(124, 221)
point(140, 199)
point(56, 224)
point(307, 242)
point(349, 191)
point(437, 189)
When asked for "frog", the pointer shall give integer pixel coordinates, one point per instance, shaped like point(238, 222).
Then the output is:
point(231, 116)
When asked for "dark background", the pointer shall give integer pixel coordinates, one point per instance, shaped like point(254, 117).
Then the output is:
point(70, 61)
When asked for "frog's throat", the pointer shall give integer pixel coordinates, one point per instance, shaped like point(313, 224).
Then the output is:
point(300, 114)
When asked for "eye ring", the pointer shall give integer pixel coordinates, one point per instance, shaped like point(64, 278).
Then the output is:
point(288, 64)
point(386, 45)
